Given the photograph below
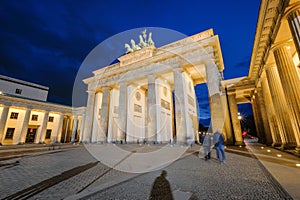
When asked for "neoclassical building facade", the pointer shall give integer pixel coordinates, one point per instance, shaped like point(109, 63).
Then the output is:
point(26, 116)
point(149, 96)
point(273, 83)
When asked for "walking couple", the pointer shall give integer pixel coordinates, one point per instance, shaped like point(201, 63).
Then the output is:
point(216, 140)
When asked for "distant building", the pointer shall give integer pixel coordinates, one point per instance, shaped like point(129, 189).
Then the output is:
point(27, 117)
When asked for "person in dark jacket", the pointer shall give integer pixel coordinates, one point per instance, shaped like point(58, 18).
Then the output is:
point(218, 140)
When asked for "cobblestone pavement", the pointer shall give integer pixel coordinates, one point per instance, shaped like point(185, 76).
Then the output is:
point(75, 174)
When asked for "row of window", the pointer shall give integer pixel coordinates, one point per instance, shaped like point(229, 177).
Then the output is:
point(10, 133)
point(14, 115)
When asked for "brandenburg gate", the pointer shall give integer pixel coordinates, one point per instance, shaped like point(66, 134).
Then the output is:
point(149, 96)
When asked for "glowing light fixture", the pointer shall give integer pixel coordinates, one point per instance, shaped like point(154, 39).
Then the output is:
point(298, 165)
point(268, 150)
point(279, 155)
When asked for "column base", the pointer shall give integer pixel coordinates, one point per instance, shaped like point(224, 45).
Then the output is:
point(297, 150)
point(238, 143)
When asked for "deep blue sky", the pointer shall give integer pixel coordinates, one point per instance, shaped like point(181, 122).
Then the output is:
point(46, 41)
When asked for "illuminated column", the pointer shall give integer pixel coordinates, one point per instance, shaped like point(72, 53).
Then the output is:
point(74, 128)
point(267, 133)
point(44, 127)
point(25, 126)
point(89, 115)
point(104, 114)
point(291, 85)
point(82, 128)
point(66, 129)
point(180, 106)
point(3, 121)
point(257, 117)
point(151, 109)
point(59, 127)
point(122, 112)
point(95, 132)
point(234, 118)
point(280, 105)
point(213, 78)
point(293, 17)
point(275, 127)
point(227, 123)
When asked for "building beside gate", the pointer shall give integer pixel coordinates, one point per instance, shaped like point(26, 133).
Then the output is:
point(26, 116)
point(273, 83)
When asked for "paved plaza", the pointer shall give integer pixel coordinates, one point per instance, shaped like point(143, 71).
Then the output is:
point(70, 172)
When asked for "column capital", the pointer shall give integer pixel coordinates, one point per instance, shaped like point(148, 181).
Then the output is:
point(292, 11)
point(286, 43)
point(269, 66)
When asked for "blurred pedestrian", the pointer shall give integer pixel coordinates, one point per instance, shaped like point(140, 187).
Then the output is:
point(207, 145)
point(218, 140)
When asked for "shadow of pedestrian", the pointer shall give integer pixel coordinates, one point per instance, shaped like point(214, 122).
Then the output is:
point(161, 188)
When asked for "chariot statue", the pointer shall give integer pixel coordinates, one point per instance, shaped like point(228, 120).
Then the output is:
point(144, 42)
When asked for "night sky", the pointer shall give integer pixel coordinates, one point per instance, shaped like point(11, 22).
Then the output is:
point(45, 42)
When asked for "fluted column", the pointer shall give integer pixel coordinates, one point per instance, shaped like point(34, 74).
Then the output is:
point(257, 116)
point(104, 114)
point(234, 118)
point(3, 120)
point(44, 127)
point(24, 126)
point(281, 107)
point(267, 132)
point(293, 17)
point(81, 133)
point(89, 115)
point(291, 85)
point(227, 123)
point(275, 127)
point(74, 128)
point(59, 127)
point(122, 112)
point(151, 109)
point(213, 78)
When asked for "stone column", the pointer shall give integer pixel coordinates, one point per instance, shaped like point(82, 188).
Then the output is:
point(59, 128)
point(44, 127)
point(293, 17)
point(82, 128)
point(281, 107)
point(24, 126)
point(275, 127)
point(74, 128)
point(267, 133)
point(89, 116)
point(104, 114)
point(257, 117)
point(66, 129)
point(291, 85)
point(227, 123)
point(122, 112)
point(234, 118)
point(213, 77)
point(3, 120)
point(151, 109)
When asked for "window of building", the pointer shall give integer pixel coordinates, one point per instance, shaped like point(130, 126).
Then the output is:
point(10, 133)
point(34, 117)
point(50, 119)
point(48, 134)
point(18, 91)
point(14, 115)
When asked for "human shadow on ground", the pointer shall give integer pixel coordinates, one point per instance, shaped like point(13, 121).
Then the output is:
point(161, 188)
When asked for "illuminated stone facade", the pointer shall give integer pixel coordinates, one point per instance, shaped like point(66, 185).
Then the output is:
point(26, 117)
point(149, 95)
point(273, 83)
